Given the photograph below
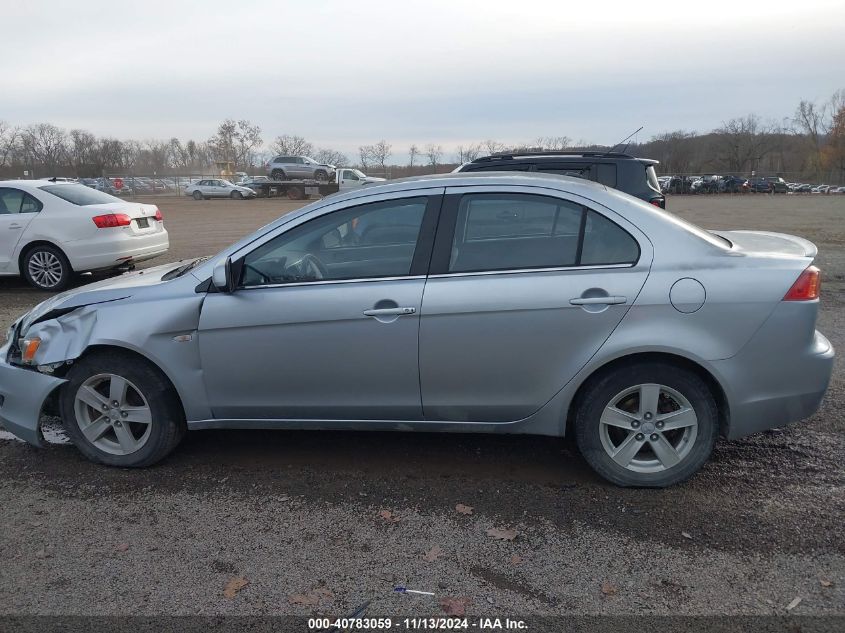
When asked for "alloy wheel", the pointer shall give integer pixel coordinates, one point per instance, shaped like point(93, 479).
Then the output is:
point(45, 268)
point(113, 414)
point(648, 428)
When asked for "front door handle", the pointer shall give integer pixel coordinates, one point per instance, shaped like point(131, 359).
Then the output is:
point(377, 312)
point(592, 301)
point(14, 226)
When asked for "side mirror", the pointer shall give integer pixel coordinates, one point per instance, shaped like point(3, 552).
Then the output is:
point(221, 276)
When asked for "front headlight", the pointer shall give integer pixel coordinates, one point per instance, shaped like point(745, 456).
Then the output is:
point(29, 346)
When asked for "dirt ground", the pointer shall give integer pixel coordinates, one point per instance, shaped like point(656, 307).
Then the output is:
point(318, 522)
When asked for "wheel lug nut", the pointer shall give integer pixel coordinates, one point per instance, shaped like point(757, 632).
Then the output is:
point(105, 407)
point(660, 424)
point(653, 437)
point(635, 424)
point(115, 403)
point(647, 416)
point(640, 437)
point(123, 414)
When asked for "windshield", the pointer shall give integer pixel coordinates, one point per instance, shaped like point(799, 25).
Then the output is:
point(310, 161)
point(227, 183)
point(358, 173)
point(80, 194)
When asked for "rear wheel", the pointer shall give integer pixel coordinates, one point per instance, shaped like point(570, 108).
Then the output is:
point(120, 411)
point(296, 193)
point(647, 425)
point(197, 195)
point(321, 175)
point(277, 174)
point(45, 267)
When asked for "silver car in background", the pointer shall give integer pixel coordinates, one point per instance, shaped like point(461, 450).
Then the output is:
point(299, 167)
point(497, 303)
point(218, 188)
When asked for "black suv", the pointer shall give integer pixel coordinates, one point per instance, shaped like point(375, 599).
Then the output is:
point(634, 176)
point(768, 184)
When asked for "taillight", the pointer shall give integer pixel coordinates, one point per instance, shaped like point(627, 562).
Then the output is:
point(112, 220)
point(159, 217)
point(806, 287)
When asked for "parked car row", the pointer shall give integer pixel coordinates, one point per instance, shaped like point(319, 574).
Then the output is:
point(739, 184)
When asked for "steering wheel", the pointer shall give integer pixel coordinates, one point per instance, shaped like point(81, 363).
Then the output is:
point(309, 263)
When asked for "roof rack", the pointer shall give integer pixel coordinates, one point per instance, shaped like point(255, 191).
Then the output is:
point(507, 155)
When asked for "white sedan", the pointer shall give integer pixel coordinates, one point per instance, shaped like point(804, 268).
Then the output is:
point(218, 188)
point(51, 230)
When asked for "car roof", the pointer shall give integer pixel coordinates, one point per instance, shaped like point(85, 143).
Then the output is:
point(570, 184)
point(563, 156)
point(34, 183)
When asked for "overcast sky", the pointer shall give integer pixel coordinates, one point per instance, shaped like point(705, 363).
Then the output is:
point(347, 73)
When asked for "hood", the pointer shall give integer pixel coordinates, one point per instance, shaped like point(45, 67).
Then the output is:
point(112, 289)
point(374, 179)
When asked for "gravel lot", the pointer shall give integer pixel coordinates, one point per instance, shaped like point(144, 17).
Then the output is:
point(320, 522)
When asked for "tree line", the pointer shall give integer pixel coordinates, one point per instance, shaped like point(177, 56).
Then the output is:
point(809, 144)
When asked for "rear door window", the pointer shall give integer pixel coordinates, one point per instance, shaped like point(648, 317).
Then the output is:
point(14, 201)
point(513, 231)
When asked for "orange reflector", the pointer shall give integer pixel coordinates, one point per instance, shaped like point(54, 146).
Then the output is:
point(28, 348)
point(806, 287)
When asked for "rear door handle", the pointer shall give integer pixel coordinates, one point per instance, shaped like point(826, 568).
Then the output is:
point(592, 301)
point(389, 311)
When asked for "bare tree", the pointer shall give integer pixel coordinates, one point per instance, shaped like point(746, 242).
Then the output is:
point(366, 154)
point(468, 153)
point(810, 120)
point(80, 151)
point(380, 152)
point(413, 150)
point(553, 143)
point(292, 145)
point(9, 136)
point(674, 150)
point(236, 141)
point(434, 153)
point(492, 146)
point(331, 157)
point(45, 145)
point(741, 143)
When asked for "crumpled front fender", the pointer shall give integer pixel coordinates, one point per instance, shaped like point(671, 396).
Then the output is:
point(22, 396)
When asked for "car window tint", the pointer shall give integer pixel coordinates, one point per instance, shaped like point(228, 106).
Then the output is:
point(79, 194)
point(10, 201)
point(366, 241)
point(607, 243)
point(512, 231)
point(606, 174)
point(30, 204)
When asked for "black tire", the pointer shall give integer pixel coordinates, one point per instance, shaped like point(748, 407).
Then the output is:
point(321, 175)
point(236, 195)
point(167, 419)
point(52, 277)
point(197, 195)
point(296, 193)
point(277, 174)
point(600, 392)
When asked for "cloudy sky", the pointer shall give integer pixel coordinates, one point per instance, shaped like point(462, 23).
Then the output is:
point(346, 73)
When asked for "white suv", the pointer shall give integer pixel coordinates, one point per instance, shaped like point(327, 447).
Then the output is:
point(49, 230)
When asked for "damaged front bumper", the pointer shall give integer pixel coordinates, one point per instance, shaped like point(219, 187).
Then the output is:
point(22, 395)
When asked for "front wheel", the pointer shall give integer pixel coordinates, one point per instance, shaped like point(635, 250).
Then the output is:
point(197, 195)
point(236, 195)
point(120, 411)
point(277, 174)
point(45, 267)
point(647, 425)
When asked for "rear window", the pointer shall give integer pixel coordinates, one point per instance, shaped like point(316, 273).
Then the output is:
point(80, 194)
point(651, 175)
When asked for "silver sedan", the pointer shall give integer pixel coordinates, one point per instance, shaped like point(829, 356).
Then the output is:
point(497, 303)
